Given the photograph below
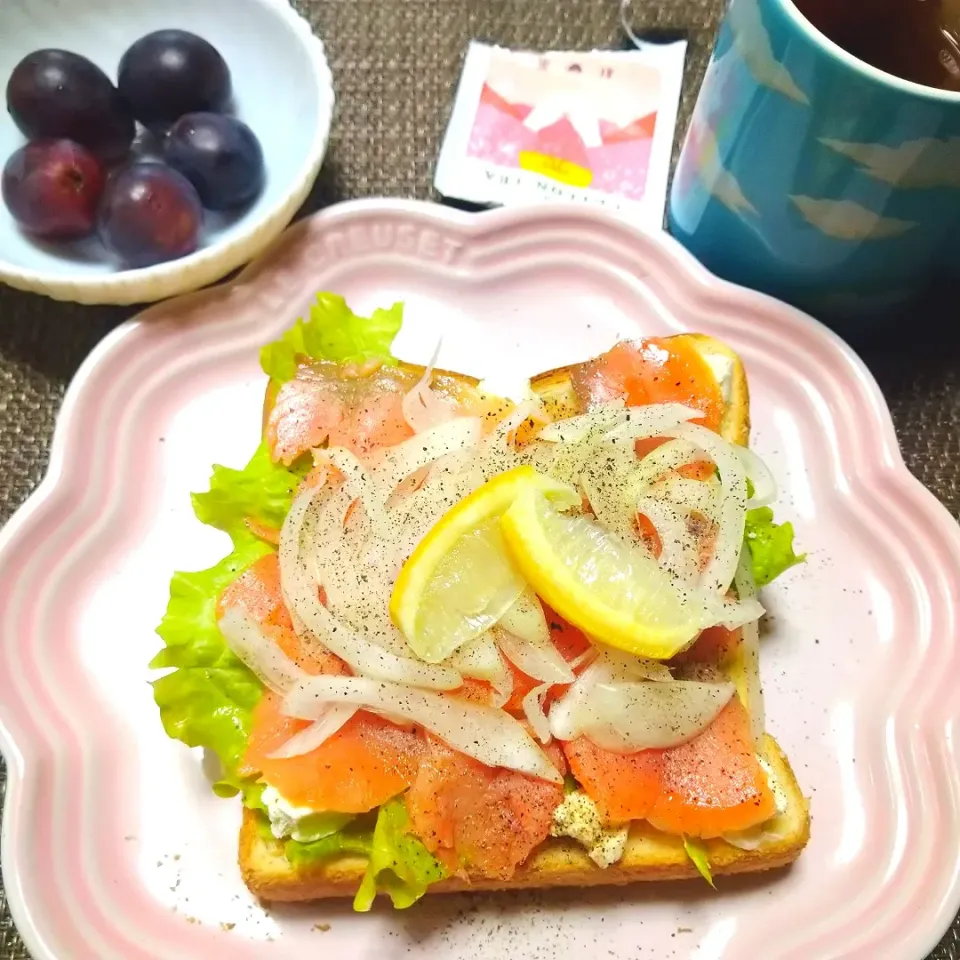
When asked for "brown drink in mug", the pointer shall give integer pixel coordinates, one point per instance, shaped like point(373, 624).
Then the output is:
point(822, 163)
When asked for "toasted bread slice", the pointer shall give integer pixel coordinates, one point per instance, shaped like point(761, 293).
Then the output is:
point(650, 854)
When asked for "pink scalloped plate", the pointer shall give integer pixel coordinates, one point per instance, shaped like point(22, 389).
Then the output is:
point(113, 844)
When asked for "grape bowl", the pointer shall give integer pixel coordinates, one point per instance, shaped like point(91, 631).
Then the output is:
point(272, 98)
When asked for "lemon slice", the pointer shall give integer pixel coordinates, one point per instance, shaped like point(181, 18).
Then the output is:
point(460, 579)
point(598, 582)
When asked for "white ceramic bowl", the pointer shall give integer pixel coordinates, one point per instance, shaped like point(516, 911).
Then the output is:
point(282, 88)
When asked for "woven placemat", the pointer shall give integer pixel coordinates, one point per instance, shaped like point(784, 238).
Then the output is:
point(396, 63)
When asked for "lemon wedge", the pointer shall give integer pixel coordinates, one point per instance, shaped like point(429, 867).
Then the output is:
point(460, 580)
point(611, 590)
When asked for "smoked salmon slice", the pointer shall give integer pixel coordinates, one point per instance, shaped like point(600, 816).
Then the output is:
point(568, 639)
point(366, 763)
point(477, 820)
point(706, 787)
point(271, 729)
point(625, 786)
point(652, 370)
point(714, 784)
point(360, 409)
point(256, 593)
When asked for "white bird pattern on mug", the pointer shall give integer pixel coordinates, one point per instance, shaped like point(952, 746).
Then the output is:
point(720, 182)
point(753, 44)
point(847, 220)
point(917, 164)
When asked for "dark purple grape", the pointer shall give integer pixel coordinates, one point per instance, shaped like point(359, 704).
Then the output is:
point(55, 94)
point(219, 155)
point(171, 72)
point(149, 213)
point(52, 187)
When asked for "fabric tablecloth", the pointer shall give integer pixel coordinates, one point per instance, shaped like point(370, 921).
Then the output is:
point(395, 64)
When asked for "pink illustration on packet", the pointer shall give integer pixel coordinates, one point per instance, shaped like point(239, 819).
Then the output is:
point(598, 116)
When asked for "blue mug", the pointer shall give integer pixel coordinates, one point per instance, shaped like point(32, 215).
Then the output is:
point(813, 176)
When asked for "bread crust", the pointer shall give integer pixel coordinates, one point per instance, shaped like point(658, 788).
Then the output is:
point(560, 862)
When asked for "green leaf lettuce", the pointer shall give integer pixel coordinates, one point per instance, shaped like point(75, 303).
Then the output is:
point(356, 838)
point(333, 332)
point(207, 700)
point(697, 852)
point(770, 545)
point(399, 865)
point(262, 490)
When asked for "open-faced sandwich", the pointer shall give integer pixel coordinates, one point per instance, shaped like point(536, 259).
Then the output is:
point(470, 642)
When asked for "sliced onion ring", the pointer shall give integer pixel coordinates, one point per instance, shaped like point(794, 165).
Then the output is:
point(670, 455)
point(317, 734)
point(533, 711)
point(679, 550)
point(690, 494)
point(616, 422)
point(510, 423)
point(610, 503)
point(422, 408)
point(362, 656)
point(398, 462)
point(259, 651)
point(651, 420)
point(611, 665)
point(481, 660)
point(761, 476)
point(491, 736)
point(357, 482)
point(729, 613)
point(731, 507)
point(292, 573)
point(524, 636)
point(585, 425)
point(366, 658)
point(638, 715)
point(526, 620)
point(540, 662)
point(585, 658)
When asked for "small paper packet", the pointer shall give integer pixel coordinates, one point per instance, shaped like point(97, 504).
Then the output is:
point(594, 127)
